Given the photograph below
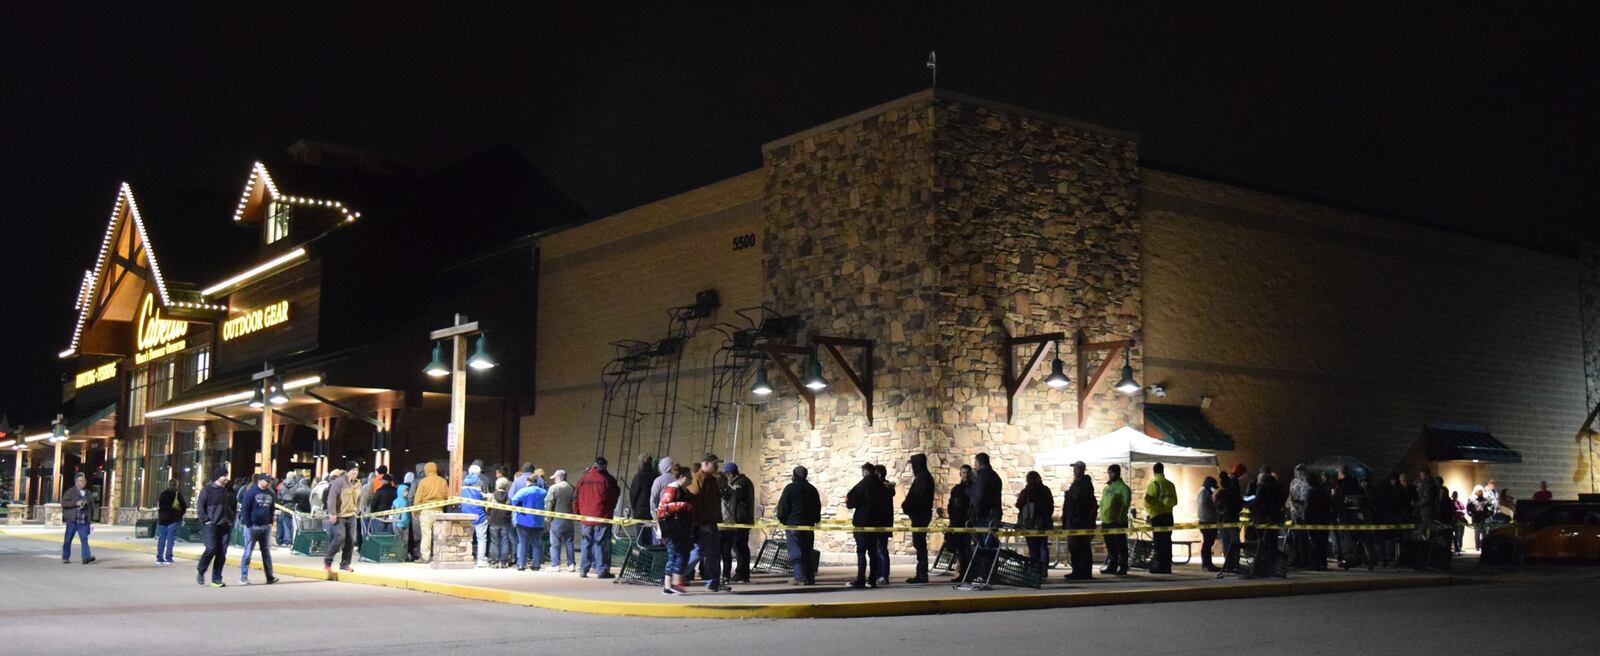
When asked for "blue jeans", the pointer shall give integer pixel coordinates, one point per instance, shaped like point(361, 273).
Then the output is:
point(561, 542)
point(800, 544)
point(882, 550)
point(80, 529)
point(256, 535)
point(709, 540)
point(677, 558)
point(215, 537)
point(285, 529)
point(530, 546)
point(500, 540)
point(596, 550)
point(166, 535)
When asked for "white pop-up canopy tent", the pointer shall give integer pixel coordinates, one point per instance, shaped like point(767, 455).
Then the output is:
point(1128, 446)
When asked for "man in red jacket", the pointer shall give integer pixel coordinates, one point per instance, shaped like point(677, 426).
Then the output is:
point(597, 497)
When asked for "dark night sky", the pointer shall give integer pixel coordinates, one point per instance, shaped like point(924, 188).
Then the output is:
point(1479, 120)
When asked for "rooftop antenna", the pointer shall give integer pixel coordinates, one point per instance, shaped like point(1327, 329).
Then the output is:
point(933, 65)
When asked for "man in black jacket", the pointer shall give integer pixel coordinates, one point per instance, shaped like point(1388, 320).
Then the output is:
point(1266, 509)
point(638, 496)
point(215, 506)
point(1078, 510)
point(984, 492)
point(959, 512)
point(918, 506)
point(257, 519)
point(75, 514)
point(867, 499)
point(800, 505)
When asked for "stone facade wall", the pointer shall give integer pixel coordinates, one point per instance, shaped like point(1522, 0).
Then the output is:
point(1319, 332)
point(936, 227)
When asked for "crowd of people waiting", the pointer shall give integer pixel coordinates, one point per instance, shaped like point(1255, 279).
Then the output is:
point(688, 510)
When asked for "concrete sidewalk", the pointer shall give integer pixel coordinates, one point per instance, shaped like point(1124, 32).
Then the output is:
point(771, 596)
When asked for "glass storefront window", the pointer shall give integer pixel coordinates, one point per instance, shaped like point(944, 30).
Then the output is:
point(156, 472)
point(138, 392)
point(130, 471)
point(185, 459)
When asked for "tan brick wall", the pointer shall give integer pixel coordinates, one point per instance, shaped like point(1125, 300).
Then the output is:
point(614, 279)
point(1318, 332)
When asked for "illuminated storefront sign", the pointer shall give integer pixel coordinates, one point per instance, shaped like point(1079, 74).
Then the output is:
point(155, 335)
point(258, 319)
point(99, 374)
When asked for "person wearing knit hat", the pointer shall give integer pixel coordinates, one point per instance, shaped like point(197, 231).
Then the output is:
point(216, 510)
point(257, 520)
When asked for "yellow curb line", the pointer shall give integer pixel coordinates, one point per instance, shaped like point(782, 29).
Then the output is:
point(979, 602)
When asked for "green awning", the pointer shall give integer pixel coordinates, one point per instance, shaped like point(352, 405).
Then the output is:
point(1466, 443)
point(1185, 425)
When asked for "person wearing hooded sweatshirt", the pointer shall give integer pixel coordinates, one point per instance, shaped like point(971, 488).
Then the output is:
point(257, 520)
point(800, 505)
point(559, 499)
point(215, 507)
point(517, 483)
point(1115, 500)
point(597, 496)
point(471, 491)
point(430, 489)
point(1207, 514)
point(319, 495)
point(500, 530)
point(530, 527)
point(1036, 506)
point(675, 516)
point(639, 496)
point(404, 524)
point(738, 507)
point(918, 506)
point(344, 505)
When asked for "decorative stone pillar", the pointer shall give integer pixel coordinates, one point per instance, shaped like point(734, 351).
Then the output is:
point(52, 515)
point(452, 541)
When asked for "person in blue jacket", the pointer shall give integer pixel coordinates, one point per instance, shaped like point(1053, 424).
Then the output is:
point(402, 521)
point(530, 527)
point(480, 521)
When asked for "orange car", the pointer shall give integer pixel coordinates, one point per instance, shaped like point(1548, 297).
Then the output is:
point(1565, 531)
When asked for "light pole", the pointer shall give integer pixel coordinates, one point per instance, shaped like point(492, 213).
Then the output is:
point(456, 435)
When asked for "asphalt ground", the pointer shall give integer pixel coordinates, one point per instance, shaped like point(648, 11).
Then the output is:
point(128, 604)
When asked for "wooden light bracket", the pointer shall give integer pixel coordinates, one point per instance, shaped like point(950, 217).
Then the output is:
point(1086, 384)
point(860, 378)
point(1016, 380)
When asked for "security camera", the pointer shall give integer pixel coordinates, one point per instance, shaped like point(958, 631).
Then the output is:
point(1159, 390)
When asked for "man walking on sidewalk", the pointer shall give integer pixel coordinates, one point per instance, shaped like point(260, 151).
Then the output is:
point(215, 507)
point(344, 503)
point(257, 525)
point(75, 514)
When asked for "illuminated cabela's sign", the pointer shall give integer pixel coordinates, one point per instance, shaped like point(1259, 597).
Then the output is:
point(155, 335)
point(98, 374)
point(260, 318)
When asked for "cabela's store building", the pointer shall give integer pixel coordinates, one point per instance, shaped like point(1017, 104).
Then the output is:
point(285, 327)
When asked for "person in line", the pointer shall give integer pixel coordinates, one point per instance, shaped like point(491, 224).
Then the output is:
point(675, 517)
point(344, 504)
point(383, 499)
point(319, 495)
point(258, 501)
point(1036, 505)
point(563, 532)
point(1114, 505)
point(1458, 519)
point(597, 496)
point(472, 490)
point(1299, 496)
point(1159, 500)
point(885, 518)
point(985, 494)
point(1078, 511)
point(501, 474)
point(706, 491)
point(1425, 501)
point(738, 507)
point(1492, 491)
point(1206, 513)
point(285, 532)
point(661, 481)
point(530, 527)
point(517, 483)
point(501, 533)
point(1230, 504)
point(918, 507)
point(639, 497)
point(1479, 511)
point(1505, 507)
point(959, 511)
point(1266, 510)
point(404, 524)
point(1319, 511)
point(1544, 493)
point(216, 509)
point(77, 515)
point(800, 506)
point(432, 488)
point(868, 495)
point(170, 508)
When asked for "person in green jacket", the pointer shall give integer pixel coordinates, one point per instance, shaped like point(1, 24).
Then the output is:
point(1114, 502)
point(1159, 500)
